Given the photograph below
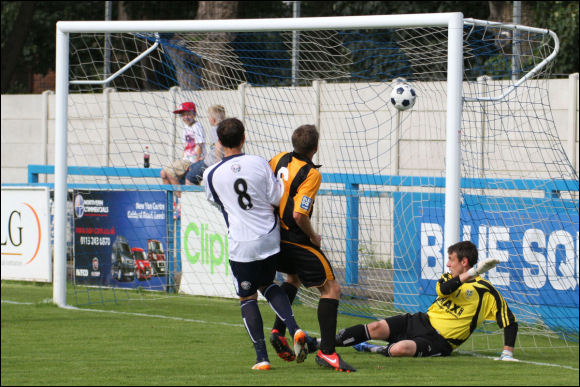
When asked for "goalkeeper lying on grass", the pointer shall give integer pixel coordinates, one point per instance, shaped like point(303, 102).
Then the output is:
point(464, 301)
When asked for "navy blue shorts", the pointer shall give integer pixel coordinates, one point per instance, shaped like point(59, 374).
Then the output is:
point(249, 277)
point(195, 172)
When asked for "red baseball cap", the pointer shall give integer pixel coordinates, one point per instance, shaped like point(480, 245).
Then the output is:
point(186, 107)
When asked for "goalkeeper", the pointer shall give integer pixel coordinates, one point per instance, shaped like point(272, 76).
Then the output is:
point(464, 301)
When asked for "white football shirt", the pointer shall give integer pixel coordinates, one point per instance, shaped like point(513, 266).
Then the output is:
point(246, 190)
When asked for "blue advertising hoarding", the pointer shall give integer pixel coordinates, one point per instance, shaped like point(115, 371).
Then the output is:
point(536, 240)
point(119, 238)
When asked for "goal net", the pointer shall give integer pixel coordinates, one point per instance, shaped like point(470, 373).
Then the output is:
point(385, 194)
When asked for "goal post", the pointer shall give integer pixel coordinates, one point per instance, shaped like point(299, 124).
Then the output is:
point(454, 22)
point(60, 163)
point(478, 157)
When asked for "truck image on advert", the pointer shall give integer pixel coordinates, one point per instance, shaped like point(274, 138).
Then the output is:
point(142, 264)
point(156, 257)
point(122, 262)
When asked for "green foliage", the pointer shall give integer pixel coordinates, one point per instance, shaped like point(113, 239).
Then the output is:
point(38, 53)
point(473, 9)
point(264, 9)
point(369, 258)
point(9, 12)
point(159, 10)
point(562, 18)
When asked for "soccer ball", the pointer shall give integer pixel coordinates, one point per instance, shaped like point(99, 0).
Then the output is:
point(403, 96)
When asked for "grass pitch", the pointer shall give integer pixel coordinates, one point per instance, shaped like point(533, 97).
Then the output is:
point(161, 339)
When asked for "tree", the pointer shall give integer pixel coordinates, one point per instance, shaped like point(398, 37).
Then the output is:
point(558, 16)
point(207, 60)
point(28, 29)
point(562, 18)
point(215, 68)
point(37, 54)
point(15, 39)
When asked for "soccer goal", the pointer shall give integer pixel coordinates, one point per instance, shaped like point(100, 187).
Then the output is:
point(477, 157)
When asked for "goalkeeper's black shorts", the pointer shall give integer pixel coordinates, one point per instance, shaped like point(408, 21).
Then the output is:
point(416, 327)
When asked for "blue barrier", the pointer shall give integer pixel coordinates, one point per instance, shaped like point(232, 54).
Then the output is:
point(352, 190)
point(35, 170)
point(413, 285)
point(352, 182)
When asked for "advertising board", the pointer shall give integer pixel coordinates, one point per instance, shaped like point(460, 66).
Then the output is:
point(26, 253)
point(119, 238)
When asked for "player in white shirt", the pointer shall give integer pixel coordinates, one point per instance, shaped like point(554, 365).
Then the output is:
point(246, 190)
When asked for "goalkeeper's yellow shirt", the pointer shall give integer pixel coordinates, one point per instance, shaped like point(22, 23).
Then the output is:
point(455, 316)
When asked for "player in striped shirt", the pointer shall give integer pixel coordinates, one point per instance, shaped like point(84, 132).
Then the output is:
point(246, 190)
point(464, 300)
point(301, 257)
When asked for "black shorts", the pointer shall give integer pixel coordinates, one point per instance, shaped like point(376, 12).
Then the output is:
point(305, 260)
point(249, 277)
point(416, 327)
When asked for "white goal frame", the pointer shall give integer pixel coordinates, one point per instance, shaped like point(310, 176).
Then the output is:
point(453, 21)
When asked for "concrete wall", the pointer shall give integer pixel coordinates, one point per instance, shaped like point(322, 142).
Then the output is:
point(359, 132)
point(353, 120)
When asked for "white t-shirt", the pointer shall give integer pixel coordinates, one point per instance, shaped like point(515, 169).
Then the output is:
point(192, 137)
point(246, 190)
point(211, 158)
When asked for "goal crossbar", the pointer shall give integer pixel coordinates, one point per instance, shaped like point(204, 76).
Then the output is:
point(278, 24)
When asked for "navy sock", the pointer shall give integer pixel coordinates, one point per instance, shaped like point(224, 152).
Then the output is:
point(278, 300)
point(291, 292)
point(327, 310)
point(255, 327)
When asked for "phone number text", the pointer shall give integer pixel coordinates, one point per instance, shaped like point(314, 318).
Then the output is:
point(95, 241)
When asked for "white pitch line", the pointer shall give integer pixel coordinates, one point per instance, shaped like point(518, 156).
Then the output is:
point(154, 316)
point(242, 326)
point(69, 307)
point(17, 303)
point(519, 361)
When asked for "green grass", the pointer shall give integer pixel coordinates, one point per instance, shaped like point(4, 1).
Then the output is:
point(202, 342)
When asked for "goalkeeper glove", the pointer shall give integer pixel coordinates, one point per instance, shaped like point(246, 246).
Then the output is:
point(485, 266)
point(507, 356)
